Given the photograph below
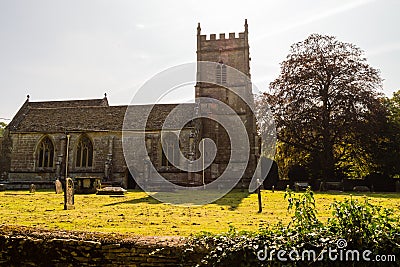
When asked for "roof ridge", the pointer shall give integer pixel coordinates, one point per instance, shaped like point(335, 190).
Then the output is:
point(46, 108)
point(114, 106)
point(69, 100)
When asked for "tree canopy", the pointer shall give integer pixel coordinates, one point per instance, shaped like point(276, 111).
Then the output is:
point(2, 128)
point(322, 100)
point(385, 147)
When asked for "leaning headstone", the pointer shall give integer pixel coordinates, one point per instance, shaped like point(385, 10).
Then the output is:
point(69, 194)
point(32, 188)
point(58, 187)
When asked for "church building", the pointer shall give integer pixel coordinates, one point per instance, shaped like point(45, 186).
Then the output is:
point(48, 140)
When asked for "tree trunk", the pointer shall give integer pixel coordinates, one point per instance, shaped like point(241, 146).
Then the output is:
point(327, 162)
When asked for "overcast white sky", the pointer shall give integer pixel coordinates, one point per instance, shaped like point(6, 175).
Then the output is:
point(75, 49)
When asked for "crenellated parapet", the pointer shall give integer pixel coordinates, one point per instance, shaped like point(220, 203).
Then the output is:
point(231, 49)
point(222, 36)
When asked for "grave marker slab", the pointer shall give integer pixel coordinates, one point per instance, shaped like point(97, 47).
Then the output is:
point(69, 194)
point(58, 187)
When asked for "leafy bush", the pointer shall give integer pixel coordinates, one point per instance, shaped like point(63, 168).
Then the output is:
point(362, 224)
point(305, 214)
point(365, 226)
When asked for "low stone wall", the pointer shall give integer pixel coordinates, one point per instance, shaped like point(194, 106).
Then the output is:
point(23, 246)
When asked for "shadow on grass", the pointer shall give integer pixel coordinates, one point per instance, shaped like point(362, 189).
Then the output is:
point(148, 200)
point(231, 200)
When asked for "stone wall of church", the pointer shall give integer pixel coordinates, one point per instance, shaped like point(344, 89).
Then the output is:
point(106, 145)
point(154, 151)
point(5, 155)
point(24, 155)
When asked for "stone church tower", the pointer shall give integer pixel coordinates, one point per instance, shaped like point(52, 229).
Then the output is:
point(227, 51)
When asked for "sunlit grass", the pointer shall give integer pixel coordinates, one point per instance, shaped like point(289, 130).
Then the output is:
point(138, 213)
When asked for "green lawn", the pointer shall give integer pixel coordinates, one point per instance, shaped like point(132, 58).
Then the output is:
point(138, 213)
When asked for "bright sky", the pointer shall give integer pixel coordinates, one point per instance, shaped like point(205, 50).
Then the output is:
point(55, 50)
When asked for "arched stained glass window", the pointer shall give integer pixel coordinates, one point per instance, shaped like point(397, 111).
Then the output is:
point(84, 153)
point(46, 153)
point(171, 149)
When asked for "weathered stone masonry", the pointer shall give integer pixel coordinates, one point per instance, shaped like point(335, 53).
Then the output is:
point(27, 247)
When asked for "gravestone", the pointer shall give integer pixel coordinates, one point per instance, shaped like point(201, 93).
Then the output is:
point(58, 187)
point(300, 186)
point(32, 188)
point(111, 190)
point(69, 194)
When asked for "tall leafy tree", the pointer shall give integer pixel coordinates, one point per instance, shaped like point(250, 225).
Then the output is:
point(323, 99)
point(385, 148)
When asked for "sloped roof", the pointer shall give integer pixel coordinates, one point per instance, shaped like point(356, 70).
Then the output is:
point(93, 118)
point(27, 106)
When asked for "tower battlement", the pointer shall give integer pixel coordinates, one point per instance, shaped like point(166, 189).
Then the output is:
point(222, 36)
point(231, 49)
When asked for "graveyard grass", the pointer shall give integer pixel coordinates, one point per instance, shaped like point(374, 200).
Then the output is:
point(139, 214)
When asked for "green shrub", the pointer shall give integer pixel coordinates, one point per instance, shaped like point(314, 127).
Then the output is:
point(361, 224)
point(304, 217)
point(365, 226)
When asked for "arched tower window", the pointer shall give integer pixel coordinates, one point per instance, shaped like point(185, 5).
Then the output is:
point(84, 153)
point(46, 153)
point(220, 73)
